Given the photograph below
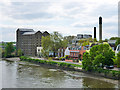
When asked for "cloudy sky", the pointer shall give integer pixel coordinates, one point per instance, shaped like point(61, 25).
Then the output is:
point(68, 17)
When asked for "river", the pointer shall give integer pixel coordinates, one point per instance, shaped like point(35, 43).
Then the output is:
point(20, 74)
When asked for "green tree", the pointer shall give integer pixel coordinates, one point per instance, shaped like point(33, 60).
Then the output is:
point(87, 63)
point(98, 61)
point(95, 40)
point(99, 55)
point(0, 52)
point(69, 39)
point(117, 41)
point(46, 44)
point(100, 41)
point(9, 49)
point(114, 38)
point(106, 40)
point(104, 50)
point(118, 60)
point(52, 43)
point(19, 53)
point(57, 42)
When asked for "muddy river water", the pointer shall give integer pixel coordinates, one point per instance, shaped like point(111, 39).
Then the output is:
point(19, 74)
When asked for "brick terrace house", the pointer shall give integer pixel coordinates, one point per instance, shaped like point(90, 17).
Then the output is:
point(78, 51)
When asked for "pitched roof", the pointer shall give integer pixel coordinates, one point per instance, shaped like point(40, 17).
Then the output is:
point(25, 29)
point(28, 33)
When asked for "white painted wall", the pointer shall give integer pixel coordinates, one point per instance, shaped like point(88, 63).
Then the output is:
point(67, 51)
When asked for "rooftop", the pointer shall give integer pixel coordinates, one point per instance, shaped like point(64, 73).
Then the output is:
point(25, 29)
point(28, 33)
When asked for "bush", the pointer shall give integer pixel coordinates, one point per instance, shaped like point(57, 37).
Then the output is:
point(118, 60)
point(66, 56)
point(50, 58)
point(99, 56)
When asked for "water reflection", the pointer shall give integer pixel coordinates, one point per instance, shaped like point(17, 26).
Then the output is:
point(28, 75)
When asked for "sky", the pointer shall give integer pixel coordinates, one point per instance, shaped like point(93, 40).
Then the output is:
point(68, 17)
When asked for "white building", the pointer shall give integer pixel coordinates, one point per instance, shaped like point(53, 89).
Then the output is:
point(67, 51)
point(39, 51)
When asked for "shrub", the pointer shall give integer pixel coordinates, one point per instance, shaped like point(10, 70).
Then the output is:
point(66, 56)
point(118, 60)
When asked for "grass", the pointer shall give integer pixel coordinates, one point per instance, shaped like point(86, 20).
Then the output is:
point(62, 64)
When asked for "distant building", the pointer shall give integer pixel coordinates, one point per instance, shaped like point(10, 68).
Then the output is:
point(61, 52)
point(29, 41)
point(79, 37)
point(112, 44)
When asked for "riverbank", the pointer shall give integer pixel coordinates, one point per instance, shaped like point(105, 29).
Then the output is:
point(12, 59)
point(112, 74)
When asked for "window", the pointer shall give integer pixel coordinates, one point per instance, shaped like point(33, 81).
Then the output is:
point(79, 48)
point(84, 48)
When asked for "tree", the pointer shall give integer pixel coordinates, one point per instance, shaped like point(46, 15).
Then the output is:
point(52, 43)
point(114, 38)
point(19, 53)
point(99, 55)
point(86, 63)
point(0, 52)
point(9, 49)
point(118, 60)
point(83, 42)
point(98, 61)
point(46, 44)
point(69, 39)
point(95, 40)
point(106, 40)
point(117, 41)
point(104, 50)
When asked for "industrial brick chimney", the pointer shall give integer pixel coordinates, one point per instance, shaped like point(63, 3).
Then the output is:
point(94, 32)
point(100, 28)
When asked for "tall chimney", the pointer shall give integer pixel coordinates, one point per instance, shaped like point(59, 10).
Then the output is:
point(94, 32)
point(100, 28)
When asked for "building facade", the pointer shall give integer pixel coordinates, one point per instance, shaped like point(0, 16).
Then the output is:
point(29, 41)
point(79, 37)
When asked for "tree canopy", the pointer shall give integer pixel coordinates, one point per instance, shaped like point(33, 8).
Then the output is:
point(9, 49)
point(52, 43)
point(99, 55)
point(117, 41)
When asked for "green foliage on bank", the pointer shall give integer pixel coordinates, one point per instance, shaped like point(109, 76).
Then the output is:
point(50, 62)
point(9, 49)
point(98, 57)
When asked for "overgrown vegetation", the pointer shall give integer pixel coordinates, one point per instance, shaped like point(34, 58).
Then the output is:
point(50, 62)
point(98, 57)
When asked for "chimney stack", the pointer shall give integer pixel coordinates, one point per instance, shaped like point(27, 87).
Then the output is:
point(100, 28)
point(94, 32)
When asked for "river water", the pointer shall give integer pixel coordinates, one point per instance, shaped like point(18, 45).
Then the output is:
point(20, 74)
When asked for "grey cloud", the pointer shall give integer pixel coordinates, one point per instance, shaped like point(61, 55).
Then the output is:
point(28, 10)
